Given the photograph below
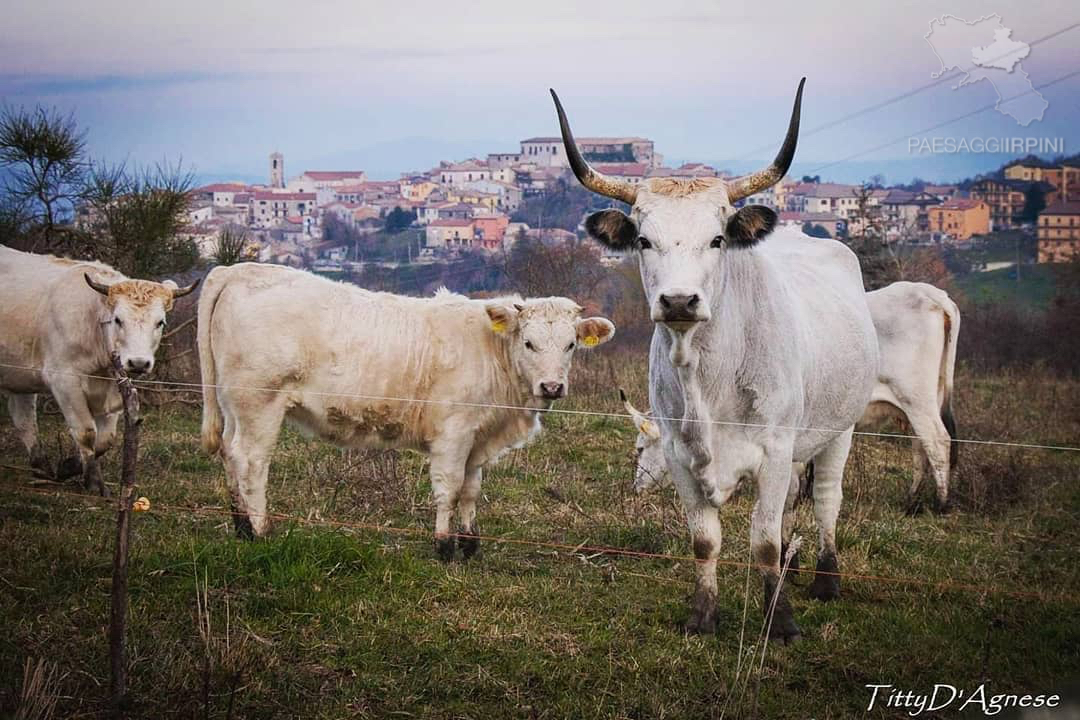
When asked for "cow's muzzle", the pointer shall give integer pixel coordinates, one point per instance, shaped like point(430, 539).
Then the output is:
point(552, 390)
point(680, 308)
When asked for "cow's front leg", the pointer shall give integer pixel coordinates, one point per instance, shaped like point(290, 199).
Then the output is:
point(828, 494)
point(468, 534)
point(774, 482)
point(107, 406)
point(23, 410)
point(72, 400)
point(447, 479)
point(703, 519)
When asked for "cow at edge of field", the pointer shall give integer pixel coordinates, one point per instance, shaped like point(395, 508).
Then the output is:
point(64, 318)
point(917, 328)
point(460, 380)
point(761, 332)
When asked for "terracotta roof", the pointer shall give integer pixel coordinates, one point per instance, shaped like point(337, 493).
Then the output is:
point(334, 174)
point(807, 217)
point(959, 204)
point(222, 187)
point(624, 169)
point(272, 196)
point(1062, 208)
point(450, 222)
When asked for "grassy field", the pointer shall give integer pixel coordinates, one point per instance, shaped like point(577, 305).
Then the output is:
point(1035, 290)
point(330, 622)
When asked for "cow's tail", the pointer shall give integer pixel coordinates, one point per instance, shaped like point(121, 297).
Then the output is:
point(948, 366)
point(212, 421)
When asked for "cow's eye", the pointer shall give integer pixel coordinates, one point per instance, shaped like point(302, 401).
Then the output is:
point(569, 347)
point(161, 324)
point(530, 346)
point(119, 322)
point(643, 242)
point(717, 242)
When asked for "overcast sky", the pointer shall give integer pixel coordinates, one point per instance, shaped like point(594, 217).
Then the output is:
point(390, 86)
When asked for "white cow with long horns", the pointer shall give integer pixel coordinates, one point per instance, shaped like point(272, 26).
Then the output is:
point(764, 352)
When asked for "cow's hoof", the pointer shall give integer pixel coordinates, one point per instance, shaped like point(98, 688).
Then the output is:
point(942, 507)
point(701, 623)
point(826, 585)
point(444, 548)
point(68, 468)
point(784, 631)
point(469, 544)
point(914, 507)
point(41, 468)
point(242, 527)
point(703, 616)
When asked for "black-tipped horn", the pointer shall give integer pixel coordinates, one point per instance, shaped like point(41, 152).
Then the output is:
point(591, 179)
point(181, 292)
point(100, 287)
point(747, 185)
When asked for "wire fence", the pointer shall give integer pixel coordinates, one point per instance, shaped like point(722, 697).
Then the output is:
point(178, 386)
point(584, 549)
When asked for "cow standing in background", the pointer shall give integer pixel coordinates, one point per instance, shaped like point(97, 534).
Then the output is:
point(760, 332)
point(63, 319)
point(917, 329)
point(460, 380)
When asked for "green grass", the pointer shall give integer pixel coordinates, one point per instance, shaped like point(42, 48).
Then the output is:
point(318, 621)
point(1036, 288)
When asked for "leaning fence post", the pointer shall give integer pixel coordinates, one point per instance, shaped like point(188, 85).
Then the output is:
point(119, 603)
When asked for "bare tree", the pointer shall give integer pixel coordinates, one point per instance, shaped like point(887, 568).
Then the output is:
point(136, 219)
point(43, 153)
point(231, 245)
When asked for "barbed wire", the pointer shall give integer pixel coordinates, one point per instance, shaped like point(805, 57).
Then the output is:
point(192, 387)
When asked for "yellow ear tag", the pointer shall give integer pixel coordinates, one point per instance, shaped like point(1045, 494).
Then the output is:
point(647, 427)
point(141, 505)
point(498, 326)
point(591, 341)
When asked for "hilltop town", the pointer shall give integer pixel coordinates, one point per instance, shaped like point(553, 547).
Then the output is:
point(316, 218)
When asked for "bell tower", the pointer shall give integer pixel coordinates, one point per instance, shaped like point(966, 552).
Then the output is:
point(277, 170)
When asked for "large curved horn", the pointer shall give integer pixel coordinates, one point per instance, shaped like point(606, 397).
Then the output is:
point(181, 292)
point(100, 287)
point(592, 180)
point(747, 185)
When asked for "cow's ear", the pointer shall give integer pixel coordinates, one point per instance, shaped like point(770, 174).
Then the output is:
point(594, 331)
point(749, 225)
point(613, 228)
point(502, 316)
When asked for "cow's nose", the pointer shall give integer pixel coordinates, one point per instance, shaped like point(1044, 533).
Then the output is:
point(138, 365)
point(680, 308)
point(552, 390)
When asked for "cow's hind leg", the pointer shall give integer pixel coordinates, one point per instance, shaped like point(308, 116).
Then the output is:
point(935, 442)
point(919, 466)
point(828, 494)
point(252, 423)
point(23, 410)
point(468, 534)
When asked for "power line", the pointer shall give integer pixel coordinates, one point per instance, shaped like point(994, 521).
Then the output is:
point(945, 76)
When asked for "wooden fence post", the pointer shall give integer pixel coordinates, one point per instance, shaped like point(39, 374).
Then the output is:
point(119, 603)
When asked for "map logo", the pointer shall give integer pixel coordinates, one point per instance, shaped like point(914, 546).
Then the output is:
point(984, 49)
